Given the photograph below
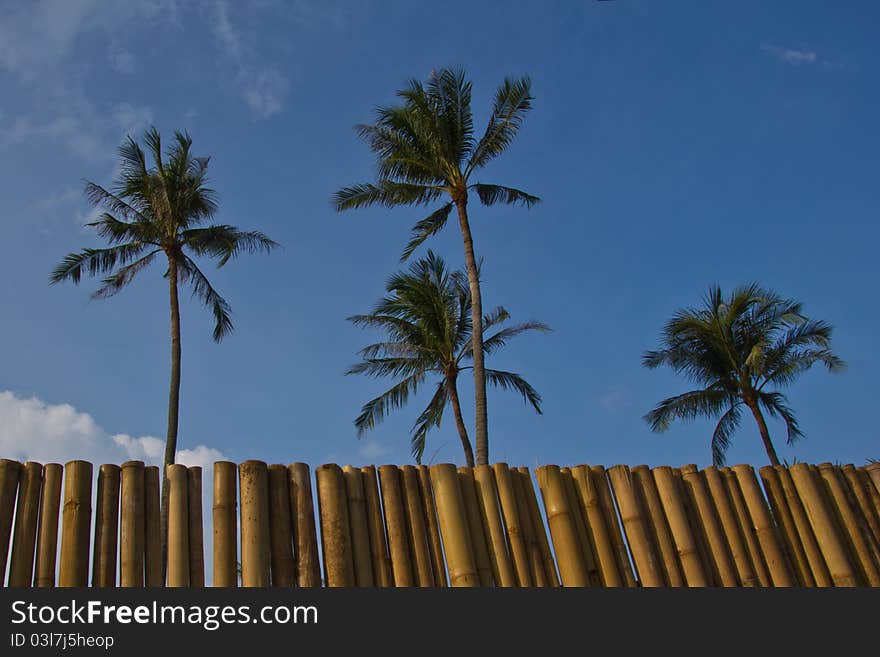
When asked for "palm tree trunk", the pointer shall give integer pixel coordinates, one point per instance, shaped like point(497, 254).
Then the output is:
point(765, 434)
point(173, 402)
point(482, 424)
point(452, 391)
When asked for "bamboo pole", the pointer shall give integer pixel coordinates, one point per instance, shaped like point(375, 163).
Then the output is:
point(530, 531)
point(861, 547)
point(859, 485)
point(475, 526)
point(335, 528)
point(281, 563)
point(563, 530)
point(746, 527)
point(646, 559)
point(579, 515)
point(153, 575)
point(21, 564)
point(225, 529)
point(438, 564)
point(685, 543)
point(196, 528)
point(178, 526)
point(76, 521)
point(305, 534)
point(815, 559)
point(550, 571)
point(253, 486)
point(657, 526)
point(785, 521)
point(696, 525)
point(719, 551)
point(47, 532)
point(10, 471)
point(395, 526)
point(106, 527)
point(454, 526)
point(733, 533)
point(768, 539)
point(600, 481)
point(824, 524)
point(597, 526)
point(487, 495)
point(131, 525)
point(360, 533)
point(872, 486)
point(418, 533)
point(376, 525)
point(873, 470)
point(518, 548)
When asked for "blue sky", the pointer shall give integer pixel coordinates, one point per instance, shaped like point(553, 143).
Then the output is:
point(674, 145)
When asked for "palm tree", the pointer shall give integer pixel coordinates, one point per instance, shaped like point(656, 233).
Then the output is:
point(427, 317)
point(426, 150)
point(160, 209)
point(739, 350)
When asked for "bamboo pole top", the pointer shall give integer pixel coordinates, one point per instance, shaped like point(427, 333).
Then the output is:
point(132, 464)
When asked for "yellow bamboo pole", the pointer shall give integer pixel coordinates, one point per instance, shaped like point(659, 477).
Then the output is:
point(685, 542)
point(152, 529)
point(746, 527)
point(282, 565)
point(873, 470)
point(178, 526)
point(196, 528)
point(21, 564)
point(131, 525)
point(10, 471)
point(76, 521)
point(719, 551)
point(438, 565)
point(253, 486)
point(530, 531)
point(418, 533)
point(376, 524)
point(851, 524)
point(335, 528)
point(106, 527)
point(360, 533)
point(600, 481)
point(225, 529)
point(824, 524)
point(563, 530)
point(597, 526)
point(768, 539)
point(858, 484)
point(47, 533)
point(475, 526)
point(550, 571)
point(518, 546)
point(632, 515)
point(785, 521)
point(305, 533)
point(696, 525)
point(815, 559)
point(579, 515)
point(395, 526)
point(454, 526)
point(658, 528)
point(873, 487)
point(487, 495)
point(733, 533)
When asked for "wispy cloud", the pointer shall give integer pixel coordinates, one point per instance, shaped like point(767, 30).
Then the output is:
point(616, 398)
point(121, 60)
point(791, 55)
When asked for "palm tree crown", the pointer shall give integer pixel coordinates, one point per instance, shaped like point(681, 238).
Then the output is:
point(426, 150)
point(739, 350)
point(426, 316)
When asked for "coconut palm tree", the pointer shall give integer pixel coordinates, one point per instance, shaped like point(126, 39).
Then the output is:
point(739, 350)
point(426, 150)
point(427, 318)
point(161, 209)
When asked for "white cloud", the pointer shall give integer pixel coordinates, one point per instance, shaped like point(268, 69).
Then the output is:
point(372, 450)
point(615, 399)
point(791, 55)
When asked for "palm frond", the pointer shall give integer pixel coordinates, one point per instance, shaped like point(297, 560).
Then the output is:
point(492, 194)
point(385, 193)
point(202, 289)
point(513, 100)
point(431, 225)
point(777, 406)
point(225, 242)
point(513, 381)
point(430, 417)
point(125, 275)
point(723, 433)
point(687, 406)
point(374, 411)
point(93, 262)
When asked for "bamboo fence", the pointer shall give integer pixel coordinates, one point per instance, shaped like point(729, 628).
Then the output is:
point(277, 525)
